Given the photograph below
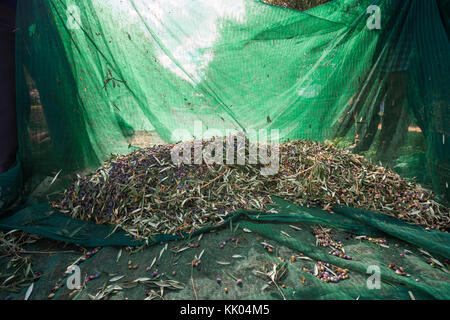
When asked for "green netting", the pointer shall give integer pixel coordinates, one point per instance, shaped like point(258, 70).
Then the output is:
point(102, 77)
point(10, 186)
point(106, 75)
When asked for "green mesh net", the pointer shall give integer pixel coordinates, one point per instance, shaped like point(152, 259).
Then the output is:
point(96, 78)
point(106, 77)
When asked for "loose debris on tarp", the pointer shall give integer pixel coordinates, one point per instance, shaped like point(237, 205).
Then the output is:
point(275, 272)
point(156, 276)
point(87, 254)
point(327, 272)
point(146, 194)
point(19, 269)
point(158, 282)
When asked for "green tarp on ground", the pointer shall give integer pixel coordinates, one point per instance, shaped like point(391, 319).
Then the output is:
point(240, 260)
point(104, 73)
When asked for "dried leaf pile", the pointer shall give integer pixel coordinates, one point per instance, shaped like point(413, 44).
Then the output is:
point(145, 193)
